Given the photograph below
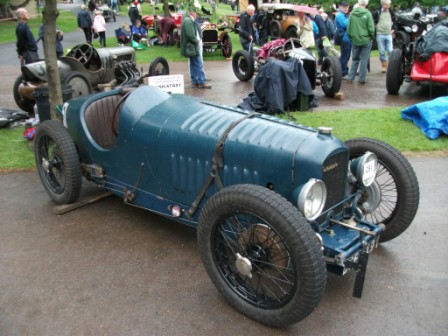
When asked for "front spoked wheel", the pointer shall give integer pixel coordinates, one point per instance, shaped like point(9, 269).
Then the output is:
point(261, 254)
point(394, 196)
point(57, 162)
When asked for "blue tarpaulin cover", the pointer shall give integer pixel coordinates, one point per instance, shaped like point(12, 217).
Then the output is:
point(430, 116)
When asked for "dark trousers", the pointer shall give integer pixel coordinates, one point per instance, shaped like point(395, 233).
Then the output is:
point(30, 57)
point(102, 38)
point(346, 48)
point(88, 33)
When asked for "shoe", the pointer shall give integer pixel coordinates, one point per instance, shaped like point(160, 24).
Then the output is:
point(204, 86)
point(361, 82)
point(345, 77)
point(195, 85)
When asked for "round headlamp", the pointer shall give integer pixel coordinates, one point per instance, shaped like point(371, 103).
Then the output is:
point(365, 168)
point(414, 28)
point(312, 198)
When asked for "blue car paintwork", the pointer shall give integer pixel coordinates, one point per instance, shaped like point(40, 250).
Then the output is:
point(165, 145)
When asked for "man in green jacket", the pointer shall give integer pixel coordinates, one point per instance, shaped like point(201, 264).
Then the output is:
point(361, 31)
point(189, 47)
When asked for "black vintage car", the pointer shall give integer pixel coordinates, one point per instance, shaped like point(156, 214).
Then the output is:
point(85, 68)
point(408, 28)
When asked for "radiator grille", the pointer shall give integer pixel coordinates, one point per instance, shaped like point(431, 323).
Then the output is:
point(334, 175)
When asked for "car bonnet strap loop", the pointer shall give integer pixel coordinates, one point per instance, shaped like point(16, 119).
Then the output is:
point(217, 163)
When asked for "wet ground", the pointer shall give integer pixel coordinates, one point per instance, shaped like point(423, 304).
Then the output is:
point(111, 269)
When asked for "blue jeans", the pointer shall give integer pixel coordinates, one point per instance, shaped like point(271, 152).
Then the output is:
point(360, 57)
point(384, 44)
point(196, 69)
point(346, 48)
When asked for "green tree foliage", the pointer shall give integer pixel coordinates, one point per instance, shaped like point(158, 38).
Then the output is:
point(375, 3)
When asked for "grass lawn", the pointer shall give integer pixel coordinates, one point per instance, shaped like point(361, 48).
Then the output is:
point(384, 124)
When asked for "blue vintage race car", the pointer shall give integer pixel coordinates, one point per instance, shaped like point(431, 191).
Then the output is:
point(275, 204)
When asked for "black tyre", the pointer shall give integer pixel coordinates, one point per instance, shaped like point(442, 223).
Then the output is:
point(159, 67)
point(331, 76)
point(226, 46)
point(261, 254)
point(57, 162)
point(401, 38)
point(395, 72)
point(291, 32)
point(79, 83)
point(394, 197)
point(243, 65)
point(25, 104)
point(275, 30)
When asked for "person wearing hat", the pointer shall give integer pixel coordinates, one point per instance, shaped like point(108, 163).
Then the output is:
point(341, 21)
point(133, 12)
point(99, 26)
point(85, 23)
point(189, 47)
point(384, 20)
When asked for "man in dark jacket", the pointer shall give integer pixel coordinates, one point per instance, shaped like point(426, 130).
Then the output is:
point(133, 12)
point(383, 19)
point(247, 29)
point(26, 44)
point(319, 42)
point(85, 23)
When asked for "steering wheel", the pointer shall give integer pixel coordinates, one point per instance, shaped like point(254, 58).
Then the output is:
point(83, 53)
point(294, 42)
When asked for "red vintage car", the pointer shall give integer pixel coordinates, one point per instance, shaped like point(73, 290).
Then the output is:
point(424, 62)
point(149, 19)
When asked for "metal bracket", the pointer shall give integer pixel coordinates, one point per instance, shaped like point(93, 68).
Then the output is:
point(360, 267)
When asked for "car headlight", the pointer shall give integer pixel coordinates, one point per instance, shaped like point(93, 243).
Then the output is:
point(428, 27)
point(414, 28)
point(365, 168)
point(311, 199)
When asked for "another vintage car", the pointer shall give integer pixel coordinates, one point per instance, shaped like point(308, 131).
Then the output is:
point(275, 204)
point(283, 18)
point(409, 27)
point(424, 62)
point(329, 77)
point(213, 39)
point(84, 68)
point(108, 13)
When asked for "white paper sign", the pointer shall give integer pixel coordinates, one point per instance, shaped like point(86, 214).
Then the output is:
point(170, 84)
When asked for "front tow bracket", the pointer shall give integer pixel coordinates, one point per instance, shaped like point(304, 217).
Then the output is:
point(360, 267)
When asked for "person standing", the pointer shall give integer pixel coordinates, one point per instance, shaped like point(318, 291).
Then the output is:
point(26, 44)
point(321, 52)
point(133, 12)
point(247, 29)
point(341, 22)
point(99, 26)
point(384, 18)
point(85, 23)
point(361, 31)
point(306, 35)
point(114, 4)
point(59, 38)
point(189, 47)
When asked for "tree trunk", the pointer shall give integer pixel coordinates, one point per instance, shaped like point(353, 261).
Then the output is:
point(50, 14)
